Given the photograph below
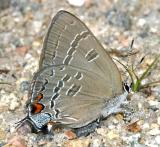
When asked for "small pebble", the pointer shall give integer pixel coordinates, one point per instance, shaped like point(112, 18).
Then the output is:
point(96, 143)
point(157, 139)
point(24, 86)
point(22, 50)
point(77, 143)
point(16, 141)
point(154, 132)
point(13, 104)
point(76, 3)
point(101, 131)
point(2, 134)
point(153, 103)
point(145, 126)
point(112, 135)
point(141, 22)
point(37, 26)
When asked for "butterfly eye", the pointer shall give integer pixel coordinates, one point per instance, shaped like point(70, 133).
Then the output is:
point(127, 87)
point(36, 108)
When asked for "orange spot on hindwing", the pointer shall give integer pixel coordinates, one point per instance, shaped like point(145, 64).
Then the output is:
point(36, 108)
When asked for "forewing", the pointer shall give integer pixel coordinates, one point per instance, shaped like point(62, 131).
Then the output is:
point(70, 42)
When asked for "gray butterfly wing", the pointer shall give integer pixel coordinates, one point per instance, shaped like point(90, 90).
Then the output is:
point(70, 42)
point(76, 75)
point(68, 94)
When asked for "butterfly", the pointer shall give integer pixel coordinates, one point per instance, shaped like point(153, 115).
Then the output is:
point(77, 82)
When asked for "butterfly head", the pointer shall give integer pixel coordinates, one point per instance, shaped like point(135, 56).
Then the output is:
point(127, 87)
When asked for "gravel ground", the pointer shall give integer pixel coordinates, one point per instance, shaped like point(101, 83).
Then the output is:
point(23, 24)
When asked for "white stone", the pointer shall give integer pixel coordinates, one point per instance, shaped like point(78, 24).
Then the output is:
point(112, 135)
point(37, 26)
point(101, 131)
point(154, 30)
point(141, 22)
point(145, 126)
point(131, 138)
point(111, 127)
point(140, 106)
point(77, 3)
point(154, 132)
point(153, 103)
point(96, 143)
point(157, 139)
point(13, 105)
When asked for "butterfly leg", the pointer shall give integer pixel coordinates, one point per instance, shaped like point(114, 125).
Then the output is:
point(86, 130)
